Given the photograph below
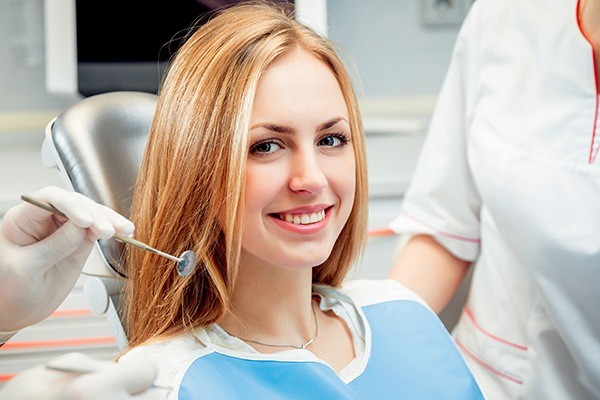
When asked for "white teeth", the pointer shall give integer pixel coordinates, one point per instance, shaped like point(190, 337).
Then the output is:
point(304, 219)
point(316, 217)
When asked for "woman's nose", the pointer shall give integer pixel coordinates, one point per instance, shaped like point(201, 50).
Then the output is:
point(307, 174)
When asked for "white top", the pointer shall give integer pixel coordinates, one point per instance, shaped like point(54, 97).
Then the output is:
point(509, 177)
point(174, 356)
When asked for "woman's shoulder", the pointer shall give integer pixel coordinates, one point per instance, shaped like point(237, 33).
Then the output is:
point(366, 292)
point(168, 355)
point(157, 348)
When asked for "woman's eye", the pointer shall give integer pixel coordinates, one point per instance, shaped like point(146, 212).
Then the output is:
point(334, 140)
point(265, 147)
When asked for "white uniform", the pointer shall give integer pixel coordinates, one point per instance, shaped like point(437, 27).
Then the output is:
point(509, 177)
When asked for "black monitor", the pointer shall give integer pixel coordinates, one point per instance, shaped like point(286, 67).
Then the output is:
point(124, 45)
point(96, 47)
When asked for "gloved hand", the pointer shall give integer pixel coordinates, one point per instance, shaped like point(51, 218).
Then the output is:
point(42, 255)
point(110, 381)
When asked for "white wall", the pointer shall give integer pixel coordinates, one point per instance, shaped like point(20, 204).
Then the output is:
point(396, 54)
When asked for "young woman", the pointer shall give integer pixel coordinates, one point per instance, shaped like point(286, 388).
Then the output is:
point(256, 161)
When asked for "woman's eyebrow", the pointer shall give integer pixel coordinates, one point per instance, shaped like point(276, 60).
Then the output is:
point(284, 129)
point(330, 123)
point(274, 128)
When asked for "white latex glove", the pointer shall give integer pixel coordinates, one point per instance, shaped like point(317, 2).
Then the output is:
point(110, 381)
point(42, 255)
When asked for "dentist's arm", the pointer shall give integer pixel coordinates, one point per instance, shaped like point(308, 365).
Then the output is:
point(42, 255)
point(428, 269)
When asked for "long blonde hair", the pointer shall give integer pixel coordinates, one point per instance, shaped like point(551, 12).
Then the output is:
point(189, 191)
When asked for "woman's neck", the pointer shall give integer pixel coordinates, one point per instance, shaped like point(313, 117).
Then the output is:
point(271, 305)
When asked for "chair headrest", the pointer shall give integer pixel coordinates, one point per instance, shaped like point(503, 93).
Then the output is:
point(99, 143)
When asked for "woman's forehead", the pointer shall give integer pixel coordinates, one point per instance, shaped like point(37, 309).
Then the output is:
point(298, 86)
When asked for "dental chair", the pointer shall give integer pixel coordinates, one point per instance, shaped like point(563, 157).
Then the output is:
point(97, 146)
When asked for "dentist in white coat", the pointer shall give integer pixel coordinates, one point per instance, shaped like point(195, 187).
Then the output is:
point(509, 181)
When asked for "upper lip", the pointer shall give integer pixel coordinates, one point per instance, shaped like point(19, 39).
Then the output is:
point(305, 209)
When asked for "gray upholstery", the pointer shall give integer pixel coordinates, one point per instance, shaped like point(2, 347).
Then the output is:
point(99, 143)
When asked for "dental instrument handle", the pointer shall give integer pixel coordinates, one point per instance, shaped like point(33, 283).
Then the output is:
point(137, 243)
point(144, 246)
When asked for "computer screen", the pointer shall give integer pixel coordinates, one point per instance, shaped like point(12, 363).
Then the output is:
point(112, 45)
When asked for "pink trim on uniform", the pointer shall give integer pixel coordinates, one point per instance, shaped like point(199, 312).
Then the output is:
point(469, 314)
point(487, 366)
point(442, 233)
point(595, 154)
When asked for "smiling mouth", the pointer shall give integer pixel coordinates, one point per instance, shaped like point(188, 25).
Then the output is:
point(302, 218)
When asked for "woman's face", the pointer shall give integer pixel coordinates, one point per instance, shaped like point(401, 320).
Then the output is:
point(300, 179)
